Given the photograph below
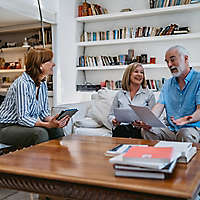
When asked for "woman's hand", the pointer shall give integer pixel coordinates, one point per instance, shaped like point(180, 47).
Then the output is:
point(115, 122)
point(140, 124)
point(54, 123)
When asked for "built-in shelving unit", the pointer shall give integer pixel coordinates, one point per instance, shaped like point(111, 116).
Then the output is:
point(152, 46)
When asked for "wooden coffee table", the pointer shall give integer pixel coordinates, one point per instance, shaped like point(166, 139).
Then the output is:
point(75, 167)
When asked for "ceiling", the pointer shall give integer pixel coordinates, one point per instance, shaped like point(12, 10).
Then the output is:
point(16, 13)
point(12, 18)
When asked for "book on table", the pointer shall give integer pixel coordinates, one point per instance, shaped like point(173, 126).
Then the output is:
point(121, 148)
point(149, 154)
point(183, 150)
point(142, 172)
point(150, 157)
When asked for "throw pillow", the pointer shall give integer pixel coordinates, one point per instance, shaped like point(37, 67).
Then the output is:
point(88, 123)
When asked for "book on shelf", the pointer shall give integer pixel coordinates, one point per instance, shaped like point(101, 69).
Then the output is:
point(142, 172)
point(183, 150)
point(166, 3)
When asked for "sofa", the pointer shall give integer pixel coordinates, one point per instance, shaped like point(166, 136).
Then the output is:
point(91, 119)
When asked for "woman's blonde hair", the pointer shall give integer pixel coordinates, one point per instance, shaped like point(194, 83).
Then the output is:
point(127, 75)
point(33, 60)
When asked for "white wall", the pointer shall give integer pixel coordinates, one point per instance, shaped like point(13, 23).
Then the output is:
point(65, 54)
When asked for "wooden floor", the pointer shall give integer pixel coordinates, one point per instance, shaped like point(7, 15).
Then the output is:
point(16, 195)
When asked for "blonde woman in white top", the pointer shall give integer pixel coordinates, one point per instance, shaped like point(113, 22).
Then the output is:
point(134, 91)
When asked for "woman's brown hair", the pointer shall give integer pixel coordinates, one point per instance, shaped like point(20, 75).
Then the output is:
point(33, 60)
point(127, 74)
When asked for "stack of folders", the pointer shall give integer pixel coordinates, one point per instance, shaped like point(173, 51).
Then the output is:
point(145, 162)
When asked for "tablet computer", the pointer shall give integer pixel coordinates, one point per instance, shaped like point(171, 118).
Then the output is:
point(69, 112)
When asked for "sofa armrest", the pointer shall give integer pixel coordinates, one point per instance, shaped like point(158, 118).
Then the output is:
point(82, 110)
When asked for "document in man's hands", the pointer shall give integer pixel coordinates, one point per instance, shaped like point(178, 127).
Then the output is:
point(147, 116)
point(126, 115)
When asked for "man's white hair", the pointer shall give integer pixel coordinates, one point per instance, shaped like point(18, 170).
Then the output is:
point(181, 50)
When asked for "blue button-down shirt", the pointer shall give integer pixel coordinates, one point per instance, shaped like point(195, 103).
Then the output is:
point(20, 105)
point(180, 103)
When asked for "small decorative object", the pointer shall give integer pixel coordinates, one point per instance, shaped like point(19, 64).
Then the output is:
point(152, 60)
point(25, 44)
point(126, 10)
point(2, 63)
point(138, 59)
point(144, 58)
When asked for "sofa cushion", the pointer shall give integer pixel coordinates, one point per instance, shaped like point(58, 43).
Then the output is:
point(92, 131)
point(100, 106)
point(88, 123)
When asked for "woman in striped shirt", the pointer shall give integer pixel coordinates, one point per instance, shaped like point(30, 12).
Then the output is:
point(24, 114)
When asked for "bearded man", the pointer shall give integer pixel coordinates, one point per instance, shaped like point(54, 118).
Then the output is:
point(180, 97)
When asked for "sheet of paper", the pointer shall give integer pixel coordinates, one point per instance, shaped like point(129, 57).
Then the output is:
point(126, 115)
point(147, 116)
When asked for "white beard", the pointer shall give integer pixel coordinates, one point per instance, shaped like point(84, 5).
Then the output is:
point(181, 68)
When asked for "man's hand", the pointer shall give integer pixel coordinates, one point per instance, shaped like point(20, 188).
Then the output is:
point(140, 124)
point(182, 120)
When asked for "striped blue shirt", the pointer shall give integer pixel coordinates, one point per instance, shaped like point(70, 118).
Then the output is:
point(20, 105)
point(180, 103)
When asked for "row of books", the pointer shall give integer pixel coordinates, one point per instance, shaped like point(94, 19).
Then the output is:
point(111, 85)
point(36, 39)
point(155, 85)
point(122, 59)
point(130, 32)
point(87, 9)
point(167, 3)
point(155, 162)
point(94, 61)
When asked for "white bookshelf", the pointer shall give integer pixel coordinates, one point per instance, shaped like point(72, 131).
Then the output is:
point(70, 47)
point(122, 67)
point(139, 13)
point(12, 70)
point(188, 36)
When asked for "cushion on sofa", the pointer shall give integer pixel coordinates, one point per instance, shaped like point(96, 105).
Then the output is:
point(102, 131)
point(100, 106)
point(88, 123)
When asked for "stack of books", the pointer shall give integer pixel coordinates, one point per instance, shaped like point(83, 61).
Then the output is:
point(144, 161)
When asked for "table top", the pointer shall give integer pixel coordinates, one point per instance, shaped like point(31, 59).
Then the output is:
point(81, 159)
